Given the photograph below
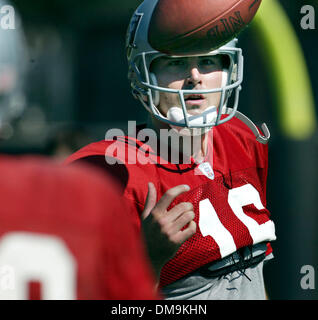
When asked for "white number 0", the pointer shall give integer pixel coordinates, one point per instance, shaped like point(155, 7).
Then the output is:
point(210, 224)
point(38, 257)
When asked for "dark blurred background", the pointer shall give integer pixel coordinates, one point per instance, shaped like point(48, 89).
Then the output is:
point(77, 88)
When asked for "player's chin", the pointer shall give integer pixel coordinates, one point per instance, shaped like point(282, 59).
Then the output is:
point(196, 109)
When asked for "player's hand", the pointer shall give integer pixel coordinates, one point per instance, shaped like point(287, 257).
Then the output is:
point(162, 228)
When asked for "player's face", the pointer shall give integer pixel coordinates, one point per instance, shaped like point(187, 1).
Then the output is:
point(188, 73)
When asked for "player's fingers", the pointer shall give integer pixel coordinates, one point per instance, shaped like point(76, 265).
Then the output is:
point(181, 221)
point(169, 196)
point(178, 210)
point(185, 234)
point(150, 200)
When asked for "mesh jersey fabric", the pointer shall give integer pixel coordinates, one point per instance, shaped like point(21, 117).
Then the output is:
point(238, 161)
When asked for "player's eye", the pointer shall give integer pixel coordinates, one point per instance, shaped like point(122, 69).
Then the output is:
point(207, 62)
point(176, 62)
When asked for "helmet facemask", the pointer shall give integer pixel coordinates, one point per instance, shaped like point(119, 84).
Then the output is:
point(147, 90)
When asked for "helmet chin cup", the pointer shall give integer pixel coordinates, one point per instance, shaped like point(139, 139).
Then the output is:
point(208, 116)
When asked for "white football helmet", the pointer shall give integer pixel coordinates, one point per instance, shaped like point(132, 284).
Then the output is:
point(145, 87)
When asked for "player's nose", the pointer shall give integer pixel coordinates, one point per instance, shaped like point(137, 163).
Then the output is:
point(194, 75)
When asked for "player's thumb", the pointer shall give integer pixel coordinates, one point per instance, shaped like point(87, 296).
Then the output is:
point(150, 200)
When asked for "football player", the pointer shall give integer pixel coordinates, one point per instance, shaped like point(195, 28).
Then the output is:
point(64, 232)
point(204, 216)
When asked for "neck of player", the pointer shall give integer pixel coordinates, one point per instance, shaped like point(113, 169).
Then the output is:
point(187, 146)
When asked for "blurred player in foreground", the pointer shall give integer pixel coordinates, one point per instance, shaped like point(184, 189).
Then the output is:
point(207, 197)
point(64, 232)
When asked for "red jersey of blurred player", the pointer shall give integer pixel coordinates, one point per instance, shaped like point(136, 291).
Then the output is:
point(230, 207)
point(64, 234)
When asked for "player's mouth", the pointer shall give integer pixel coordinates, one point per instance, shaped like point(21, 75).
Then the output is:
point(194, 99)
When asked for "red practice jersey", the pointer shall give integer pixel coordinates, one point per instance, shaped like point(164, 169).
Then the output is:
point(230, 208)
point(65, 234)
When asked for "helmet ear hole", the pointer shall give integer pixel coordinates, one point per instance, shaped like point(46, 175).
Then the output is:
point(155, 93)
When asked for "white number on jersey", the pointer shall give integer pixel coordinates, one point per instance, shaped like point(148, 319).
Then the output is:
point(37, 257)
point(210, 224)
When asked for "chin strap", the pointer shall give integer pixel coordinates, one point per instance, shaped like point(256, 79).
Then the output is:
point(262, 137)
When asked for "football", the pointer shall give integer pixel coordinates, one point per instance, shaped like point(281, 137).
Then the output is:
point(186, 27)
